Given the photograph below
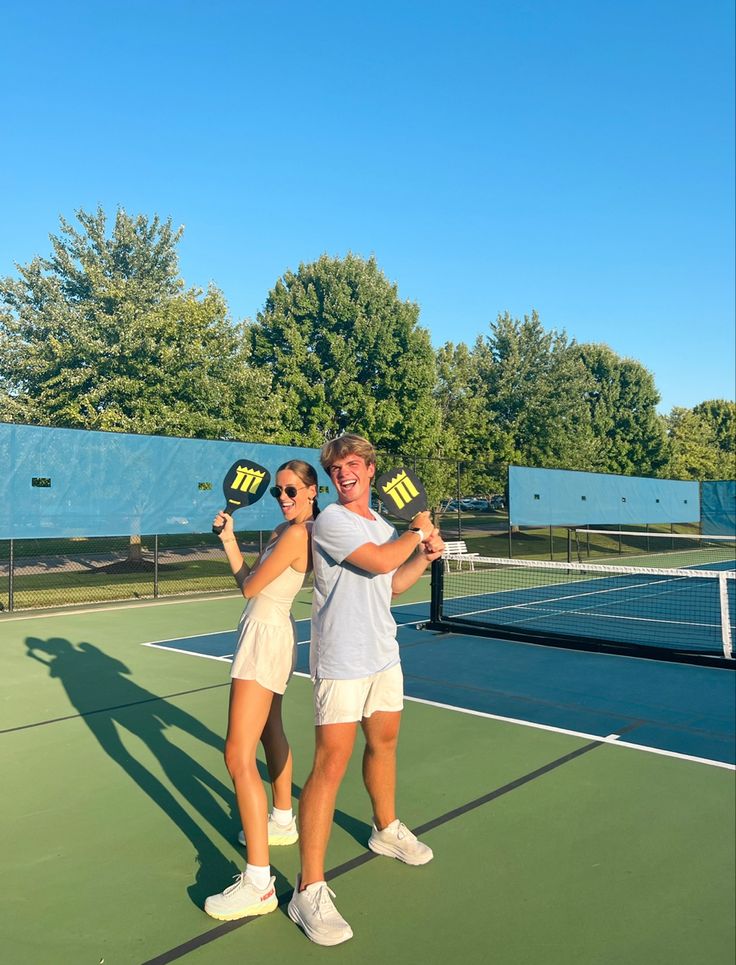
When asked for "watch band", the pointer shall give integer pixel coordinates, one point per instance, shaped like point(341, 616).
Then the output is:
point(419, 532)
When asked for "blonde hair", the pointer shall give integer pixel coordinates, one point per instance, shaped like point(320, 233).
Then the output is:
point(308, 476)
point(348, 444)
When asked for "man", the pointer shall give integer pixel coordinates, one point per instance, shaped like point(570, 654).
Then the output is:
point(360, 562)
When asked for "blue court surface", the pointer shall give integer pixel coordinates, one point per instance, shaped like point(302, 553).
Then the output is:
point(634, 702)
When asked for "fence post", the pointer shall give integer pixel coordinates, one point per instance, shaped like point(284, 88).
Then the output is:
point(11, 567)
point(459, 521)
point(155, 567)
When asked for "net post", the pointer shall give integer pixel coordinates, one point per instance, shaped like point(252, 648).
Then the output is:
point(569, 544)
point(725, 616)
point(437, 583)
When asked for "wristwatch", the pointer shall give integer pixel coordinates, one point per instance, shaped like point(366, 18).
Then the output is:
point(419, 532)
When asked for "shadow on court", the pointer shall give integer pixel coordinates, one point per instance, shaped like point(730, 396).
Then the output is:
point(109, 702)
point(91, 677)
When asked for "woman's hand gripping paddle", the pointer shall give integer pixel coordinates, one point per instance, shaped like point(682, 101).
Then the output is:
point(243, 485)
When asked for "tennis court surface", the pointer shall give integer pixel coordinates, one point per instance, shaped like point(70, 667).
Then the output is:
point(580, 805)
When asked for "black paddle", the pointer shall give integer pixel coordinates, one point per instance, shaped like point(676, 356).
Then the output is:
point(243, 485)
point(402, 493)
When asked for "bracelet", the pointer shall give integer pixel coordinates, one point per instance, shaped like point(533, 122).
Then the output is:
point(420, 534)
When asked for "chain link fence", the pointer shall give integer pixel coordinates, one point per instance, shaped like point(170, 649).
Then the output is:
point(39, 573)
point(469, 501)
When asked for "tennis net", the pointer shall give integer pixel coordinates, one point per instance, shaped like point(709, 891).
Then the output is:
point(648, 610)
point(654, 548)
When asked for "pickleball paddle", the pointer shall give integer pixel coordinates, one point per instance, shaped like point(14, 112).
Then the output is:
point(402, 493)
point(244, 484)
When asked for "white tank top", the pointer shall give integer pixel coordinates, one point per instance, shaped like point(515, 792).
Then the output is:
point(273, 604)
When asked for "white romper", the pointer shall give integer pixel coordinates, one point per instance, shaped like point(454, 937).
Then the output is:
point(266, 650)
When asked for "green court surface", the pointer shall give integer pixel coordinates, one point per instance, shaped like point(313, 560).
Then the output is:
point(118, 818)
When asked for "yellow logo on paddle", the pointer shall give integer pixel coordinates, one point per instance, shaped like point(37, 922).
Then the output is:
point(401, 489)
point(247, 480)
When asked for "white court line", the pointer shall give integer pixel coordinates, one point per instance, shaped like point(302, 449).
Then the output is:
point(612, 740)
point(52, 612)
point(212, 633)
point(188, 653)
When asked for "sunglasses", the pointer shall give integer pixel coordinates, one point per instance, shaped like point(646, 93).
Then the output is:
point(290, 491)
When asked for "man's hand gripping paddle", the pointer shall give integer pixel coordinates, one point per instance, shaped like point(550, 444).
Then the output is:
point(402, 493)
point(243, 485)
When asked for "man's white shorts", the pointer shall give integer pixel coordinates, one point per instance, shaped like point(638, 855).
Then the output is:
point(347, 701)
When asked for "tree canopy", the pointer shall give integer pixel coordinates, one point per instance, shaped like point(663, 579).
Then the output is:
point(629, 435)
point(349, 355)
point(103, 335)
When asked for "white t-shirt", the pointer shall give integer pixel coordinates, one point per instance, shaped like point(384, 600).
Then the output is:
point(353, 632)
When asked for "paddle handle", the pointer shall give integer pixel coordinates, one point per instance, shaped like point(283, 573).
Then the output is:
point(218, 529)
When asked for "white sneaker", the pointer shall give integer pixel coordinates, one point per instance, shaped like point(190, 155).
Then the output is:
point(277, 833)
point(314, 912)
point(242, 899)
point(397, 841)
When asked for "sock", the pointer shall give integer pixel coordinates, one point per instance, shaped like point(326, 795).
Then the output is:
point(313, 884)
point(282, 816)
point(260, 876)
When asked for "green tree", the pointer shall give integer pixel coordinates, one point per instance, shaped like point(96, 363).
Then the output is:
point(622, 398)
point(536, 395)
point(470, 433)
point(348, 354)
point(721, 417)
point(103, 335)
point(692, 444)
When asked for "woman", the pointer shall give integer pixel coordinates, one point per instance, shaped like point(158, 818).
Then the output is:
point(263, 663)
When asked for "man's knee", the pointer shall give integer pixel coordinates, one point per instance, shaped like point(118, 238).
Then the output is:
point(330, 765)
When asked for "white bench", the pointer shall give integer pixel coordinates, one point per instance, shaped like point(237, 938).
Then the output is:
point(457, 552)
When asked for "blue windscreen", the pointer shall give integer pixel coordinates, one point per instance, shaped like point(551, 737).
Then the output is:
point(718, 507)
point(562, 497)
point(72, 482)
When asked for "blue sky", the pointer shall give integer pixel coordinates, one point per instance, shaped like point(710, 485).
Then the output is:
point(575, 157)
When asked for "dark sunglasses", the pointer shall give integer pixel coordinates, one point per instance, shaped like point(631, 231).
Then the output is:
point(290, 491)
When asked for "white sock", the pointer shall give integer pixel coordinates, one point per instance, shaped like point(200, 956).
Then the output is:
point(282, 816)
point(315, 884)
point(260, 876)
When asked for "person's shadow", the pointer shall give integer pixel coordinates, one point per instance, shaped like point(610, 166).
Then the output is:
point(109, 702)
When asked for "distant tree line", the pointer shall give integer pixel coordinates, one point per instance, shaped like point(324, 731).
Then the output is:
point(103, 334)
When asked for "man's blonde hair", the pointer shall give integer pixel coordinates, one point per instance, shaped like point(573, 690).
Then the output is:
point(348, 444)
